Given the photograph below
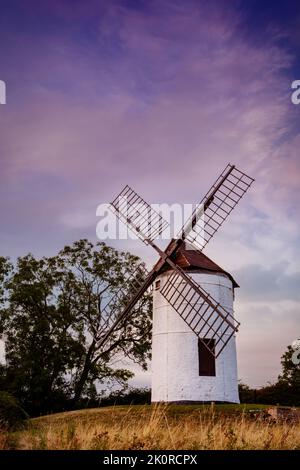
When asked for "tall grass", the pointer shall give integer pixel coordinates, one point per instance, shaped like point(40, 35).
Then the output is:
point(155, 427)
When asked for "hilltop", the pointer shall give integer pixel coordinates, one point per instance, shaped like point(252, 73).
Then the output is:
point(156, 427)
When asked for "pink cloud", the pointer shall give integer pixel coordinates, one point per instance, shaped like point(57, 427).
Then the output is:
point(161, 103)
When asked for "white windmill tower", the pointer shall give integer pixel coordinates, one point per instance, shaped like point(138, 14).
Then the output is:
point(183, 369)
point(193, 348)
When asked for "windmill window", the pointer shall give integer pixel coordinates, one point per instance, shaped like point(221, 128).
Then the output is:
point(207, 362)
point(157, 285)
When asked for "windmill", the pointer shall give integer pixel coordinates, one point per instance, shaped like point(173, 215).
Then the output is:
point(193, 347)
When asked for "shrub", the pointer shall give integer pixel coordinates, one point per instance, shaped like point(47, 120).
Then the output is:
point(136, 396)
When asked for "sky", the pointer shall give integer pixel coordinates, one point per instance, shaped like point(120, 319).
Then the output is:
point(160, 95)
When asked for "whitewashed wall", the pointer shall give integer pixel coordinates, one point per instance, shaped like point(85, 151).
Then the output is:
point(175, 367)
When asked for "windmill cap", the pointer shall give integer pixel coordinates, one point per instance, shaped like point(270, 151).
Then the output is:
point(192, 259)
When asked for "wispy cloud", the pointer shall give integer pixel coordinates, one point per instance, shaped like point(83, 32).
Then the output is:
point(160, 96)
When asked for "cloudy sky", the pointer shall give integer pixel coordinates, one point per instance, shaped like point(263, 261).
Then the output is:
point(159, 94)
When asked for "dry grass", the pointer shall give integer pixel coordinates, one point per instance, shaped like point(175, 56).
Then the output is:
point(153, 427)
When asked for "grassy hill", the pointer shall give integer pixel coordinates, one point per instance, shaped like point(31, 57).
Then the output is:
point(156, 427)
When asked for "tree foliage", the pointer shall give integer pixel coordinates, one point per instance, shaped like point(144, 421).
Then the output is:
point(286, 391)
point(291, 367)
point(12, 415)
point(52, 317)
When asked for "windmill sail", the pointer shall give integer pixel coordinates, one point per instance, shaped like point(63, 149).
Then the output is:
point(216, 206)
point(213, 325)
point(143, 220)
point(211, 322)
point(122, 303)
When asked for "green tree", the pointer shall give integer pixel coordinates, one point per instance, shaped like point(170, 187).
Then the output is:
point(12, 416)
point(54, 317)
point(291, 367)
point(5, 270)
point(287, 389)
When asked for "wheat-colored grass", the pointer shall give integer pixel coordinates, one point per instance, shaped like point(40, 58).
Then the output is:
point(155, 427)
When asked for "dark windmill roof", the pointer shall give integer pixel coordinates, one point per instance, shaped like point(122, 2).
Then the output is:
point(193, 259)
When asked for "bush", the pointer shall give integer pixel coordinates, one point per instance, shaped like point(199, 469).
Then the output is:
point(279, 393)
point(133, 396)
point(12, 414)
point(246, 394)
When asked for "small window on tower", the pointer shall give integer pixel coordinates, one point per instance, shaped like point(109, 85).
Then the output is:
point(157, 285)
point(207, 362)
